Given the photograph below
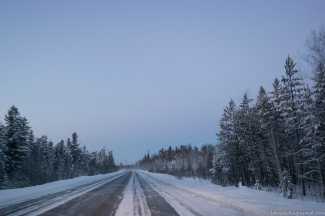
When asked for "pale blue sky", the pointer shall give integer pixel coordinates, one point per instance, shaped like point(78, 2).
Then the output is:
point(142, 75)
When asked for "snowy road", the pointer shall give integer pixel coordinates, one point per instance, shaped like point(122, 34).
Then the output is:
point(121, 193)
point(40, 199)
point(169, 199)
point(129, 192)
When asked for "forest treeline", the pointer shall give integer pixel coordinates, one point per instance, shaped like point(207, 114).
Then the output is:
point(26, 160)
point(182, 161)
point(278, 140)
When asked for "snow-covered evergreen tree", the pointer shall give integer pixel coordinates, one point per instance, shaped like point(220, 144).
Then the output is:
point(92, 164)
point(32, 160)
point(18, 148)
point(68, 160)
point(111, 162)
point(276, 129)
point(247, 133)
point(316, 132)
point(3, 158)
point(59, 160)
point(76, 151)
point(267, 145)
point(292, 112)
point(287, 189)
point(228, 160)
point(84, 164)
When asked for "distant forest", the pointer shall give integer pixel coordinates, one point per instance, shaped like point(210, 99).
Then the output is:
point(276, 142)
point(26, 160)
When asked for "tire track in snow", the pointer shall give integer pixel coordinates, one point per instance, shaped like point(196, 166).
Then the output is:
point(44, 203)
point(134, 202)
point(187, 203)
point(157, 204)
point(101, 201)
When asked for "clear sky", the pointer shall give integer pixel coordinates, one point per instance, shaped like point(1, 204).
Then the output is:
point(133, 76)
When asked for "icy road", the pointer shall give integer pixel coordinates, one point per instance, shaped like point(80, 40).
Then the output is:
point(121, 193)
point(142, 193)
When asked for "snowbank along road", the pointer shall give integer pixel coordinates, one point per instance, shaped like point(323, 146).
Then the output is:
point(120, 193)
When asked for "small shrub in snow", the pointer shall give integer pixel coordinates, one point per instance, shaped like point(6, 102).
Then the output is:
point(257, 185)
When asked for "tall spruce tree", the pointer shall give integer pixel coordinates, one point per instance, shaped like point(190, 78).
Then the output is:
point(268, 149)
point(293, 86)
point(316, 58)
point(228, 160)
point(76, 154)
point(276, 132)
point(59, 160)
point(68, 159)
point(247, 133)
point(3, 158)
point(18, 147)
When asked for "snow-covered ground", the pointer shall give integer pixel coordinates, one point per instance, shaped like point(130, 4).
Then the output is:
point(186, 194)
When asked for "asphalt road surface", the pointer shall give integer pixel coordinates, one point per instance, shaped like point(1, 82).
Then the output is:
point(127, 193)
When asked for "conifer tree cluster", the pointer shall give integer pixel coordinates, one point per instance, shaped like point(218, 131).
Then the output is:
point(279, 140)
point(26, 160)
point(182, 161)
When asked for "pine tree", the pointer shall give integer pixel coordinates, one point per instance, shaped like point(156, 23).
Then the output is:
point(85, 158)
point(75, 151)
point(101, 161)
point(93, 169)
point(32, 161)
point(265, 131)
point(111, 162)
point(247, 133)
point(3, 158)
point(276, 129)
point(18, 148)
point(68, 161)
point(206, 159)
point(59, 160)
point(43, 161)
point(316, 58)
point(287, 190)
point(293, 86)
point(228, 161)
